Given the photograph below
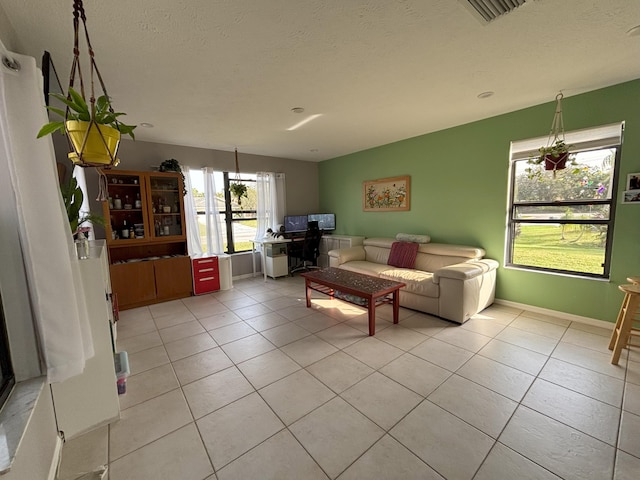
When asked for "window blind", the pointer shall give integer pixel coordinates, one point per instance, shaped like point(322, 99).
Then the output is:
point(585, 139)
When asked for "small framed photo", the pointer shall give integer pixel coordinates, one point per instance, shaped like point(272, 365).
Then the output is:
point(631, 196)
point(633, 181)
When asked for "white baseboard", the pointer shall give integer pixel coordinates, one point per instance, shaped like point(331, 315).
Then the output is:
point(554, 313)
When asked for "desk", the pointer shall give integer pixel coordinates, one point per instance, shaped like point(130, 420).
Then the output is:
point(262, 243)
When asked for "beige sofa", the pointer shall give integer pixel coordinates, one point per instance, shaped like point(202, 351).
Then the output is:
point(449, 281)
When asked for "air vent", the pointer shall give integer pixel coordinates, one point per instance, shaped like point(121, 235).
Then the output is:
point(488, 10)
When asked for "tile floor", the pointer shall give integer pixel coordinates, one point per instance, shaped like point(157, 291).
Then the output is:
point(250, 384)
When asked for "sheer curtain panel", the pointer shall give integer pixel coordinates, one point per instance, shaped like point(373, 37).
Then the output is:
point(214, 233)
point(194, 244)
point(271, 201)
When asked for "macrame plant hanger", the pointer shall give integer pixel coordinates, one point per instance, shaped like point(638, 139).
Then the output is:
point(556, 133)
point(237, 183)
point(80, 154)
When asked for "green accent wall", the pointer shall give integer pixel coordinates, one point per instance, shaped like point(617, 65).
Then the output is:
point(459, 194)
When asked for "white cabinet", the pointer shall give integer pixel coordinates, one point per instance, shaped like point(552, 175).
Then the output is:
point(90, 399)
point(334, 242)
point(276, 260)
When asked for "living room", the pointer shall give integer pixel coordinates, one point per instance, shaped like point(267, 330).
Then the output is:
point(459, 194)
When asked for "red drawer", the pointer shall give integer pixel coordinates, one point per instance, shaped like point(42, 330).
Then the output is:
point(206, 285)
point(206, 278)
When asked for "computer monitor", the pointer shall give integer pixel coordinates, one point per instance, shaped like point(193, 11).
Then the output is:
point(295, 223)
point(326, 221)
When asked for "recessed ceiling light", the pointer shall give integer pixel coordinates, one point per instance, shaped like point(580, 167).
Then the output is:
point(314, 150)
point(634, 32)
point(485, 94)
point(305, 121)
point(297, 109)
point(146, 125)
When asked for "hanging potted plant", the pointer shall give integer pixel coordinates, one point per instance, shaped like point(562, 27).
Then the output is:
point(554, 157)
point(238, 190)
point(94, 134)
point(555, 153)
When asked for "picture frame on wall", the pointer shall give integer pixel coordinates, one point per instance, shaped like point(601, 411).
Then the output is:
point(631, 192)
point(631, 196)
point(387, 194)
point(633, 181)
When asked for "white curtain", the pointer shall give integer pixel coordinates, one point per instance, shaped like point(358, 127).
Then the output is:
point(194, 244)
point(214, 233)
point(47, 247)
point(271, 201)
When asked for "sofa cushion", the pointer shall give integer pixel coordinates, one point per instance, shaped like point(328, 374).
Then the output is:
point(368, 268)
point(403, 254)
point(417, 281)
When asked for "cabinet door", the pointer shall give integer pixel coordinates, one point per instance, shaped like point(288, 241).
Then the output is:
point(173, 277)
point(125, 209)
point(134, 283)
point(166, 204)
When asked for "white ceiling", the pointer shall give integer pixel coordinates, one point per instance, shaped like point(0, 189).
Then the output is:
point(222, 74)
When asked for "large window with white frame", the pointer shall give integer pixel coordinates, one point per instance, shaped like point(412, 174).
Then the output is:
point(562, 221)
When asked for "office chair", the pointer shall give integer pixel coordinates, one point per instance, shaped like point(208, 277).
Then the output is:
point(310, 250)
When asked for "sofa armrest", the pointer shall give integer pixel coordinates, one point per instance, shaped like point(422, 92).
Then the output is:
point(344, 255)
point(465, 288)
point(465, 270)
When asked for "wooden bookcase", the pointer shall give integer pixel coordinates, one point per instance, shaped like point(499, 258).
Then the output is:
point(149, 263)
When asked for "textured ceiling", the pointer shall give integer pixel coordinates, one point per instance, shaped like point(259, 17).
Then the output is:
point(225, 73)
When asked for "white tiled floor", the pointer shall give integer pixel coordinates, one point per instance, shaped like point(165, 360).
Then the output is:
point(250, 384)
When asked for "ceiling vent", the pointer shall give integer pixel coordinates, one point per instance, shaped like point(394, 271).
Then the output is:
point(488, 10)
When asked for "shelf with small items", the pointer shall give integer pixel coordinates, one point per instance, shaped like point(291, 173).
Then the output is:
point(146, 237)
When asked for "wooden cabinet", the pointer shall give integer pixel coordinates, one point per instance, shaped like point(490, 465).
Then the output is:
point(334, 242)
point(173, 277)
point(146, 237)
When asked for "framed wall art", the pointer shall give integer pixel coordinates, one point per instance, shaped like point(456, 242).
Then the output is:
point(387, 194)
point(631, 192)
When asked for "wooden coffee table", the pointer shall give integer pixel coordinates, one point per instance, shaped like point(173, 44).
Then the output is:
point(343, 284)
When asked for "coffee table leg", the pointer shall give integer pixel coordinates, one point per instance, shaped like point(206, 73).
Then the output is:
point(372, 316)
point(396, 306)
point(308, 291)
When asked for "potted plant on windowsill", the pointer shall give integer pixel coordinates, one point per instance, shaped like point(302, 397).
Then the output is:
point(94, 134)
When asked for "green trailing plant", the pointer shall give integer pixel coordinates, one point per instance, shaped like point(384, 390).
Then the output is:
point(238, 190)
point(73, 197)
point(78, 109)
point(172, 165)
point(556, 151)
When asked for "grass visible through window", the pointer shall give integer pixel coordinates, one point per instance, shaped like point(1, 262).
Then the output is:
point(578, 248)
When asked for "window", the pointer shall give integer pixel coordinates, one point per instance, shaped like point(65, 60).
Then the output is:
point(562, 222)
point(237, 220)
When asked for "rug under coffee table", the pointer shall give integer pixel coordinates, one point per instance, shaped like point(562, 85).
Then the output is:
point(346, 285)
